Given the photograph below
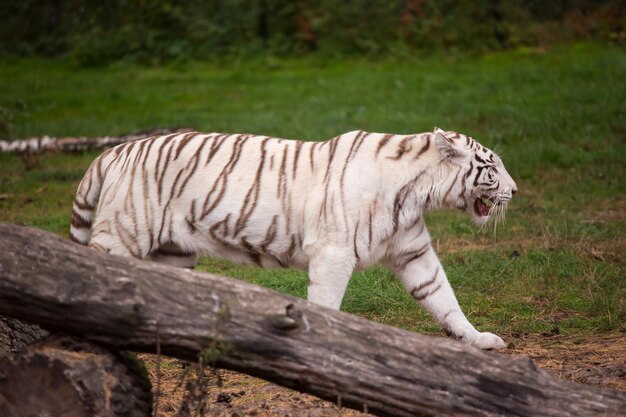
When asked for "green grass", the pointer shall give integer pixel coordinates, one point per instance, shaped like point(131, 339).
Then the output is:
point(558, 118)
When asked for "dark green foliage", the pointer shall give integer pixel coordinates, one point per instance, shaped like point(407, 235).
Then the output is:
point(151, 31)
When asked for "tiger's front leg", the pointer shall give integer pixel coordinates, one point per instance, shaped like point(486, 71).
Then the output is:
point(330, 269)
point(421, 274)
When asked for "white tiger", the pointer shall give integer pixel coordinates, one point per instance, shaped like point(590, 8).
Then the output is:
point(327, 207)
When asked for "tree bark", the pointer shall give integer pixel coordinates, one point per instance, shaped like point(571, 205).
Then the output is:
point(63, 376)
point(16, 334)
point(130, 304)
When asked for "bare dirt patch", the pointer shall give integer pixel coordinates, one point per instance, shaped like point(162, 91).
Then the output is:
point(590, 359)
point(597, 359)
point(236, 395)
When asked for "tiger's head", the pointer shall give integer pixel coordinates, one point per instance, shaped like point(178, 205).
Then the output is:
point(482, 187)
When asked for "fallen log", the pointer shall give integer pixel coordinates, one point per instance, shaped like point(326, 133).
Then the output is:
point(63, 376)
point(78, 144)
point(130, 304)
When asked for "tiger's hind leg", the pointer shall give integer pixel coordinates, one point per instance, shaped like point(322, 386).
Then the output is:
point(107, 238)
point(113, 238)
point(171, 254)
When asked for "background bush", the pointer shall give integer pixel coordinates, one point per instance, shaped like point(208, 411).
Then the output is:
point(96, 32)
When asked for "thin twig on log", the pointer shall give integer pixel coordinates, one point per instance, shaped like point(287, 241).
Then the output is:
point(243, 327)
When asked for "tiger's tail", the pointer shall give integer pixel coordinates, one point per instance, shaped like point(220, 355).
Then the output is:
point(85, 202)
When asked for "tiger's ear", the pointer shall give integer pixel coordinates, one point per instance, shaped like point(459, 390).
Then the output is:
point(449, 149)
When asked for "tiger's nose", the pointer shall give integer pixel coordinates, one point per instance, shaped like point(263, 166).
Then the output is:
point(513, 190)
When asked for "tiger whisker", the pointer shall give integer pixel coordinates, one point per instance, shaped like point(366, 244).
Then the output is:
point(497, 214)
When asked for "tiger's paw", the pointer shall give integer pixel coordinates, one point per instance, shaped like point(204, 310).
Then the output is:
point(489, 341)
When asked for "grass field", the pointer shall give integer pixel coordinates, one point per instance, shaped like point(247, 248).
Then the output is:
point(557, 117)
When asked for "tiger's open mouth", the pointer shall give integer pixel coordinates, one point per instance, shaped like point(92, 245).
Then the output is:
point(482, 206)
